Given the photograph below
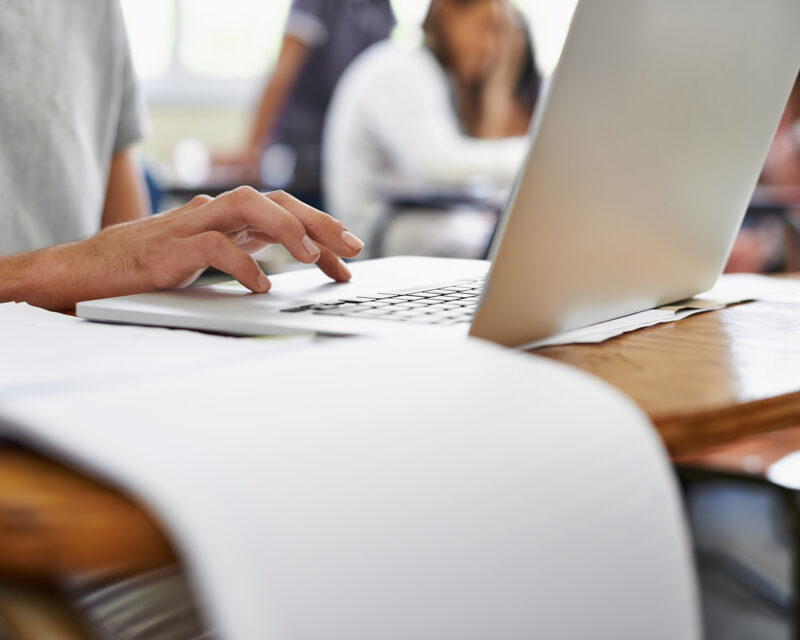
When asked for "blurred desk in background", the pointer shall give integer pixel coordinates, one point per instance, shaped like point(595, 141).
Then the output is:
point(434, 200)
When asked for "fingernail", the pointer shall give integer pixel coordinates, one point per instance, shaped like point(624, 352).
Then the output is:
point(351, 241)
point(263, 283)
point(311, 246)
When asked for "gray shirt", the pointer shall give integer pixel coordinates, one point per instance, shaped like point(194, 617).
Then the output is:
point(68, 101)
point(336, 31)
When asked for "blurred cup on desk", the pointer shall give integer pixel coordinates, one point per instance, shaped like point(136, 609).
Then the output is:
point(191, 161)
point(278, 166)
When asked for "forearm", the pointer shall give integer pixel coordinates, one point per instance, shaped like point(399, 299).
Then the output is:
point(58, 277)
point(412, 117)
point(269, 109)
point(15, 274)
point(126, 199)
point(37, 277)
point(497, 113)
point(293, 56)
point(434, 156)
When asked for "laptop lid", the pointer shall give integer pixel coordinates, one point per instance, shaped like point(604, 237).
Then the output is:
point(646, 149)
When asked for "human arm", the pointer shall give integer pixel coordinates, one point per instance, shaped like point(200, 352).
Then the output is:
point(501, 114)
point(291, 60)
point(306, 29)
point(407, 107)
point(173, 248)
point(125, 197)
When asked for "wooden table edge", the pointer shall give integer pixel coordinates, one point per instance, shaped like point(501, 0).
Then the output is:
point(680, 432)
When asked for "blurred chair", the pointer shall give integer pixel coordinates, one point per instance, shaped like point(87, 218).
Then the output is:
point(155, 187)
point(744, 511)
point(477, 211)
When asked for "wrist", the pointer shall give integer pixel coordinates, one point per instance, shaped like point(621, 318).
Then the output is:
point(51, 278)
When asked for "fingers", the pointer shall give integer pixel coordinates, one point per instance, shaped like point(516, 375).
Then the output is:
point(217, 250)
point(249, 240)
point(251, 220)
point(194, 203)
point(197, 201)
point(242, 207)
point(333, 267)
point(326, 230)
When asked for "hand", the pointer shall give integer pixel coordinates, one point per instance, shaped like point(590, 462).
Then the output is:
point(171, 249)
point(499, 105)
point(511, 55)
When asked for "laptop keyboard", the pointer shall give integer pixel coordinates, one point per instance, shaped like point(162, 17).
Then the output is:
point(445, 305)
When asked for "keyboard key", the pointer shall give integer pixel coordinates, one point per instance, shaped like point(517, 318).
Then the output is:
point(443, 305)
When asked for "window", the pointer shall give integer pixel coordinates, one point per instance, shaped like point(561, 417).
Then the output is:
point(205, 52)
point(195, 51)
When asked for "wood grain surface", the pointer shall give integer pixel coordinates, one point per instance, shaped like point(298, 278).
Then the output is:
point(56, 523)
point(708, 379)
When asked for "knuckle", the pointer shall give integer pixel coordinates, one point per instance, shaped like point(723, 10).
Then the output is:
point(201, 199)
point(281, 197)
point(247, 192)
point(242, 196)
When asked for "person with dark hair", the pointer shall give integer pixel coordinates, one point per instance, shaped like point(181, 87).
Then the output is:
point(321, 38)
point(491, 103)
point(447, 113)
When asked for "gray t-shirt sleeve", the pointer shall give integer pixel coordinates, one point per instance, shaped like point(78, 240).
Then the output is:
point(307, 22)
point(132, 124)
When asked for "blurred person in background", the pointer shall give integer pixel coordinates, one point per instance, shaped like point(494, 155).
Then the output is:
point(770, 240)
point(322, 37)
point(450, 113)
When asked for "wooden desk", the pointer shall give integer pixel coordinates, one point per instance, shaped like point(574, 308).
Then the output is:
point(708, 379)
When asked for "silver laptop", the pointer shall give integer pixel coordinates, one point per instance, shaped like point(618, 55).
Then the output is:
point(646, 149)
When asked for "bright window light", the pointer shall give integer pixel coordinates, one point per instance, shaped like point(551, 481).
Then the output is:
point(201, 42)
point(241, 41)
point(151, 30)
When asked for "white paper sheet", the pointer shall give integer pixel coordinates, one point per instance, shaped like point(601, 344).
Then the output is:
point(597, 333)
point(729, 289)
point(751, 286)
point(42, 352)
point(413, 491)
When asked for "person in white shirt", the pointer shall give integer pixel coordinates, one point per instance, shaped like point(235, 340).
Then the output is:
point(441, 114)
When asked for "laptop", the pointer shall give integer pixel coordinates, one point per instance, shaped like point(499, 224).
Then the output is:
point(645, 151)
